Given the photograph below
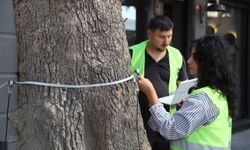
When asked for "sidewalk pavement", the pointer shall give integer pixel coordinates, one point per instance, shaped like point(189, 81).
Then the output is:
point(240, 140)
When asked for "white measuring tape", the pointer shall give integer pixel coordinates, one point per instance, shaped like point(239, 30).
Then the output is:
point(134, 77)
point(74, 86)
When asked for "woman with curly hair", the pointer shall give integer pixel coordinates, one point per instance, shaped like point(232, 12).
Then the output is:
point(205, 119)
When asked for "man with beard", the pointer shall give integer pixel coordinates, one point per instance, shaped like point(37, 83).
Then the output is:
point(163, 65)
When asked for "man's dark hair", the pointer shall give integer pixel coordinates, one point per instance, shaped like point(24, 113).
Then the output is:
point(163, 23)
point(215, 68)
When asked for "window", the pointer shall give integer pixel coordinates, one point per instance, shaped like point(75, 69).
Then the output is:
point(129, 14)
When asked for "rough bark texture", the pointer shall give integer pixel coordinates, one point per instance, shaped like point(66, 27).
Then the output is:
point(75, 42)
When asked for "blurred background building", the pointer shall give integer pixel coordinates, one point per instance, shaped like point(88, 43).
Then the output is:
point(229, 19)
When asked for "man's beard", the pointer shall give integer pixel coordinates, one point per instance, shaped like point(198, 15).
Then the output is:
point(160, 49)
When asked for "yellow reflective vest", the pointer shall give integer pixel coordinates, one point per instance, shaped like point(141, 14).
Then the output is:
point(216, 135)
point(175, 63)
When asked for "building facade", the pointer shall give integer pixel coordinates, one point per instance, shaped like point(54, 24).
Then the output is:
point(8, 71)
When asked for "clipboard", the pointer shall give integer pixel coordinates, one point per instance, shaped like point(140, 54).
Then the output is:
point(180, 94)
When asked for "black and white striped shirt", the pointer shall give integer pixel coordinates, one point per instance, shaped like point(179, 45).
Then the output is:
point(197, 110)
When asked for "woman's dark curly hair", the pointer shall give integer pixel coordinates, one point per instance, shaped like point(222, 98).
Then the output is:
point(215, 69)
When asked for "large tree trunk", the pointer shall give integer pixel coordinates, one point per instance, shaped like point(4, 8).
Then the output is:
point(75, 42)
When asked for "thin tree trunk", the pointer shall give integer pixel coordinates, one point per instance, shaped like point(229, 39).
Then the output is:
point(75, 42)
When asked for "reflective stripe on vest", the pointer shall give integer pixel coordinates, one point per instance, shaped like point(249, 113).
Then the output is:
point(216, 135)
point(192, 146)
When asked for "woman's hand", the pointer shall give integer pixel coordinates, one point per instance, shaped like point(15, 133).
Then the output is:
point(147, 87)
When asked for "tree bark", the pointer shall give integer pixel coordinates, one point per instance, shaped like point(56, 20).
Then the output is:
point(75, 42)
